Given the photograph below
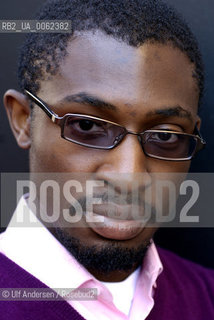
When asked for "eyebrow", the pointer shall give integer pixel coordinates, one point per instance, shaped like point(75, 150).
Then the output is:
point(94, 101)
point(88, 99)
point(176, 111)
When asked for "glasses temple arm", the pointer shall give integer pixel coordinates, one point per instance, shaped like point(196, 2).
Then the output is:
point(197, 132)
point(42, 105)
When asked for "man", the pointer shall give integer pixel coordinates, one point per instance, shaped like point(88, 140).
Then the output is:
point(124, 89)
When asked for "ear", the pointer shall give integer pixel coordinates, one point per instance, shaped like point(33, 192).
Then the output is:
point(198, 122)
point(18, 112)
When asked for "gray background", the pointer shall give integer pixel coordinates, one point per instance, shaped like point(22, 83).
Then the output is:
point(195, 244)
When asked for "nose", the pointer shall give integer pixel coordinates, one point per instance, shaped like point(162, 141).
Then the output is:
point(128, 156)
point(125, 163)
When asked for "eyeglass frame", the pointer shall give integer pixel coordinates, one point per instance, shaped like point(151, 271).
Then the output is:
point(60, 121)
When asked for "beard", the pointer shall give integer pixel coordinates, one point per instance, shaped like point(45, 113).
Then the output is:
point(105, 259)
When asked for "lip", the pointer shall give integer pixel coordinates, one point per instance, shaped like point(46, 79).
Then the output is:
point(118, 211)
point(115, 227)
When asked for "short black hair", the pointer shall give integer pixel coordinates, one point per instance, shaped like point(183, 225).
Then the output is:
point(132, 21)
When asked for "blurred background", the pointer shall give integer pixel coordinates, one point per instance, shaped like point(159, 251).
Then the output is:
point(195, 244)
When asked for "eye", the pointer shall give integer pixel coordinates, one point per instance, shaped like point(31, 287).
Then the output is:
point(165, 137)
point(86, 125)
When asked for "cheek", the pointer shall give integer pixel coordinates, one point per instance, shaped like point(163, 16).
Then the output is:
point(169, 175)
point(55, 154)
point(162, 166)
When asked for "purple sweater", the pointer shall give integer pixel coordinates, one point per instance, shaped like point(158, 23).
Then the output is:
point(185, 291)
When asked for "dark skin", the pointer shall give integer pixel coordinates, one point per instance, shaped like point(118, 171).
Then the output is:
point(147, 87)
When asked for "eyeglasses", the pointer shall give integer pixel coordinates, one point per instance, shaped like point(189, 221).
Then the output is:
point(98, 133)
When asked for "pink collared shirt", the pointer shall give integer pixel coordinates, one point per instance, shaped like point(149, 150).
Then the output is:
point(36, 250)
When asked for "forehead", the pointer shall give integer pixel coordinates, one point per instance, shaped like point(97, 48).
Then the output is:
point(111, 69)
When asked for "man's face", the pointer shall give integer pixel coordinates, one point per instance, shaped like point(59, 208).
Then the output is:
point(150, 87)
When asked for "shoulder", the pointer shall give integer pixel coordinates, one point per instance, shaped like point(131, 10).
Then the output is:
point(185, 290)
point(11, 277)
point(182, 271)
point(172, 259)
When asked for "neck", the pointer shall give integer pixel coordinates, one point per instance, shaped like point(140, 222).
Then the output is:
point(114, 276)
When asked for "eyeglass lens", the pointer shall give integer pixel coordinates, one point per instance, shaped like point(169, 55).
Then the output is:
point(93, 132)
point(169, 145)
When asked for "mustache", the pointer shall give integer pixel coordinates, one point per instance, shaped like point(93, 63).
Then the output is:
point(106, 198)
point(110, 198)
